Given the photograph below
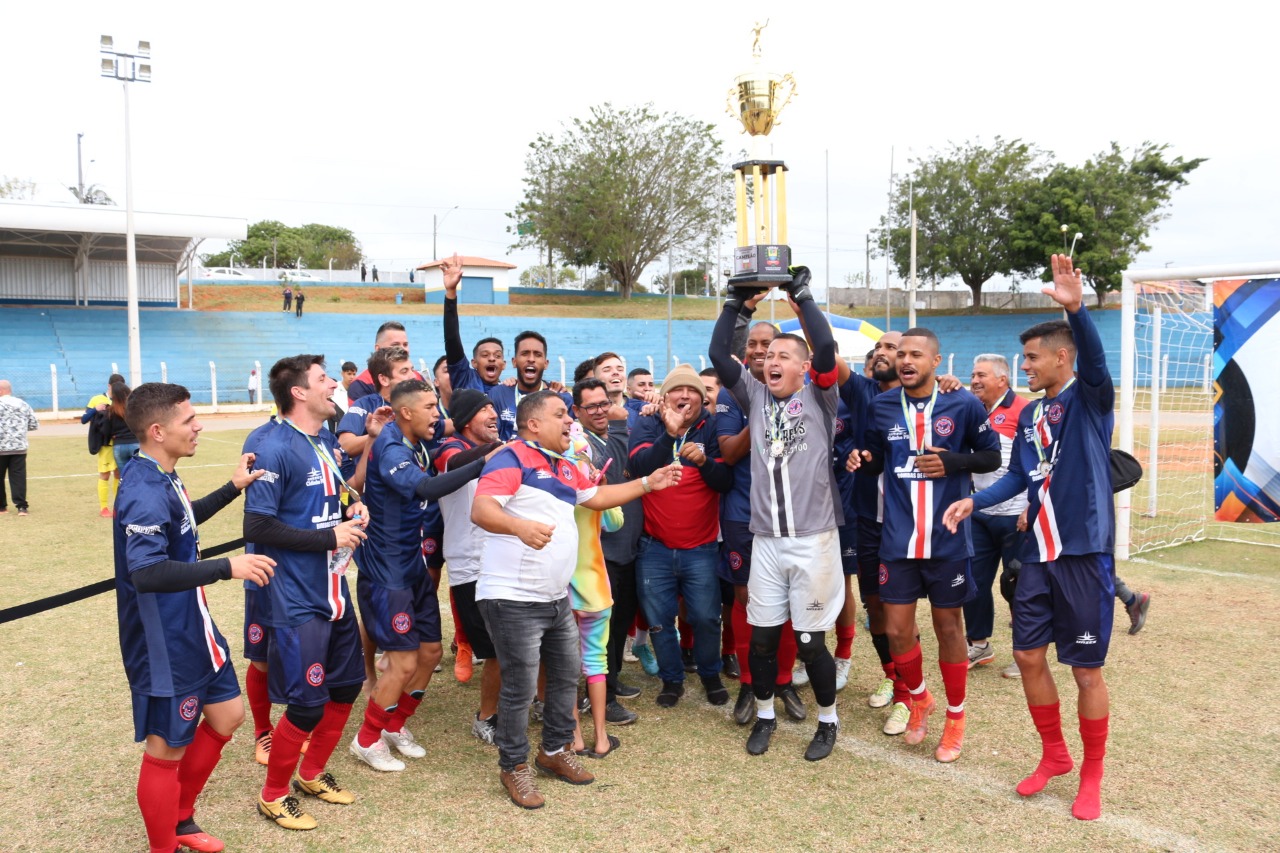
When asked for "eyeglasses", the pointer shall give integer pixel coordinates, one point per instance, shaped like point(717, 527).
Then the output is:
point(593, 408)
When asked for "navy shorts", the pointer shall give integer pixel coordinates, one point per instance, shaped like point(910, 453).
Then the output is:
point(1070, 601)
point(849, 547)
point(257, 612)
point(946, 583)
point(175, 718)
point(399, 620)
point(464, 599)
point(433, 551)
point(306, 661)
point(734, 565)
point(868, 558)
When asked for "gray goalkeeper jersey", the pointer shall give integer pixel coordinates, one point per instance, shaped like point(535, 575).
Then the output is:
point(792, 490)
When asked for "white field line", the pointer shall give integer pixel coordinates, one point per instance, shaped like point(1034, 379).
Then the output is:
point(1156, 564)
point(95, 476)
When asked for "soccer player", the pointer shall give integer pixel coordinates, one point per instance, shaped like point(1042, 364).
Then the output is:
point(390, 334)
point(107, 470)
point(1061, 457)
point(176, 660)
point(257, 616)
point(928, 445)
point(733, 435)
point(397, 596)
point(389, 366)
point(293, 515)
point(610, 370)
point(678, 552)
point(639, 390)
point(795, 554)
point(484, 371)
point(476, 423)
point(525, 501)
point(994, 530)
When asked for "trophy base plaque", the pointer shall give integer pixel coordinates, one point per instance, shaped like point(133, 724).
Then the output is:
point(763, 265)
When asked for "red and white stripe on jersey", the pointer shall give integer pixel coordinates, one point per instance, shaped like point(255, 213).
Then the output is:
point(920, 543)
point(217, 654)
point(1048, 538)
point(333, 594)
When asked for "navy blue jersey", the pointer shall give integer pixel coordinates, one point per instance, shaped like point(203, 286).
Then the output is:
point(735, 505)
point(300, 490)
point(353, 422)
point(168, 640)
point(505, 400)
point(251, 442)
point(913, 503)
point(857, 393)
point(845, 441)
point(392, 555)
point(1062, 457)
point(463, 375)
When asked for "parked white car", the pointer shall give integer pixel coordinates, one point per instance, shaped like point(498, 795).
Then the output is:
point(305, 276)
point(226, 274)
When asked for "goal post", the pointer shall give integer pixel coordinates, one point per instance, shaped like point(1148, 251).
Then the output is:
point(1166, 413)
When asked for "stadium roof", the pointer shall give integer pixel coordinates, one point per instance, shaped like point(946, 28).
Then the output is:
point(61, 230)
point(470, 261)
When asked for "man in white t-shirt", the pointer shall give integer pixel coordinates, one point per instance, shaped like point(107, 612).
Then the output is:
point(525, 500)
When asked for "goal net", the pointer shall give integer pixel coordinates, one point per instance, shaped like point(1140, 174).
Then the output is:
point(1197, 382)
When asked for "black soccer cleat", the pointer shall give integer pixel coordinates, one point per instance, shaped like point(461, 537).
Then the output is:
point(824, 740)
point(761, 732)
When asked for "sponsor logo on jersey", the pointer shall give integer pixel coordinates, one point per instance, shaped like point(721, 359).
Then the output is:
point(544, 474)
point(1055, 412)
point(357, 410)
point(507, 415)
point(429, 545)
point(394, 469)
point(315, 477)
point(255, 633)
point(189, 708)
point(735, 560)
point(1087, 639)
point(269, 476)
point(959, 580)
point(142, 529)
point(908, 471)
point(794, 408)
point(884, 574)
point(849, 552)
point(944, 426)
point(315, 675)
point(401, 623)
point(1029, 434)
point(813, 606)
point(185, 526)
point(898, 433)
point(984, 426)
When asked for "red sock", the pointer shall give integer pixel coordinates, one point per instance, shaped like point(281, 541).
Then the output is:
point(286, 746)
point(459, 632)
point(1054, 758)
point(786, 654)
point(158, 801)
point(742, 639)
point(686, 635)
point(727, 638)
point(324, 739)
point(955, 678)
point(404, 710)
point(910, 670)
point(196, 765)
point(844, 640)
point(1088, 804)
point(255, 687)
point(376, 718)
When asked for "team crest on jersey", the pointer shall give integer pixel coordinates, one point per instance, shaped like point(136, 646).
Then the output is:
point(839, 425)
point(1055, 413)
point(735, 560)
point(884, 574)
point(255, 633)
point(794, 408)
point(944, 426)
point(429, 545)
point(315, 477)
point(189, 708)
point(315, 675)
point(898, 433)
point(998, 419)
point(566, 471)
point(401, 623)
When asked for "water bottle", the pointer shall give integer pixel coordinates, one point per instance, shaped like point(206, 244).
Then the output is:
point(342, 557)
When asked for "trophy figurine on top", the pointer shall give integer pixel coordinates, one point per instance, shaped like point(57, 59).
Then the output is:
point(761, 256)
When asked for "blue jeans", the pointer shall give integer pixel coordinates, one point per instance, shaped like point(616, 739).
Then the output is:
point(995, 539)
point(123, 453)
point(525, 634)
point(663, 575)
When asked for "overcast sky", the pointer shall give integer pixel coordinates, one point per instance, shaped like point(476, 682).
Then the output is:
point(377, 116)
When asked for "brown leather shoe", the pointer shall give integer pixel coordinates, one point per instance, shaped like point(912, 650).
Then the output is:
point(564, 764)
point(521, 787)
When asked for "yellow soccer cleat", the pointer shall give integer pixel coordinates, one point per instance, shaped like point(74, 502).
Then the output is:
point(325, 787)
point(286, 812)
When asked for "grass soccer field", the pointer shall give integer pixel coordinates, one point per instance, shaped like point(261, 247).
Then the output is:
point(1189, 765)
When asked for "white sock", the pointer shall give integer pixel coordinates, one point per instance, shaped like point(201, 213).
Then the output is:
point(764, 709)
point(827, 714)
point(552, 752)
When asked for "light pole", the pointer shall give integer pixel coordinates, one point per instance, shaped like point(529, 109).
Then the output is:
point(129, 68)
point(79, 169)
point(435, 230)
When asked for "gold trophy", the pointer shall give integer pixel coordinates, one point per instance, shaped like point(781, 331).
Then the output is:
point(762, 255)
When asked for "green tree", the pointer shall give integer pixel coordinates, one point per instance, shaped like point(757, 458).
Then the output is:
point(537, 276)
point(964, 199)
point(622, 187)
point(1113, 201)
point(282, 245)
point(92, 194)
point(16, 188)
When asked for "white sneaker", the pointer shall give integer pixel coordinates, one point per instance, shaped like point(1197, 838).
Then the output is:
point(485, 730)
point(377, 756)
point(898, 718)
point(800, 675)
point(843, 665)
point(627, 655)
point(882, 695)
point(1011, 671)
point(404, 742)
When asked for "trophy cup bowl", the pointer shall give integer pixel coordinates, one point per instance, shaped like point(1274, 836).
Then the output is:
point(761, 95)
